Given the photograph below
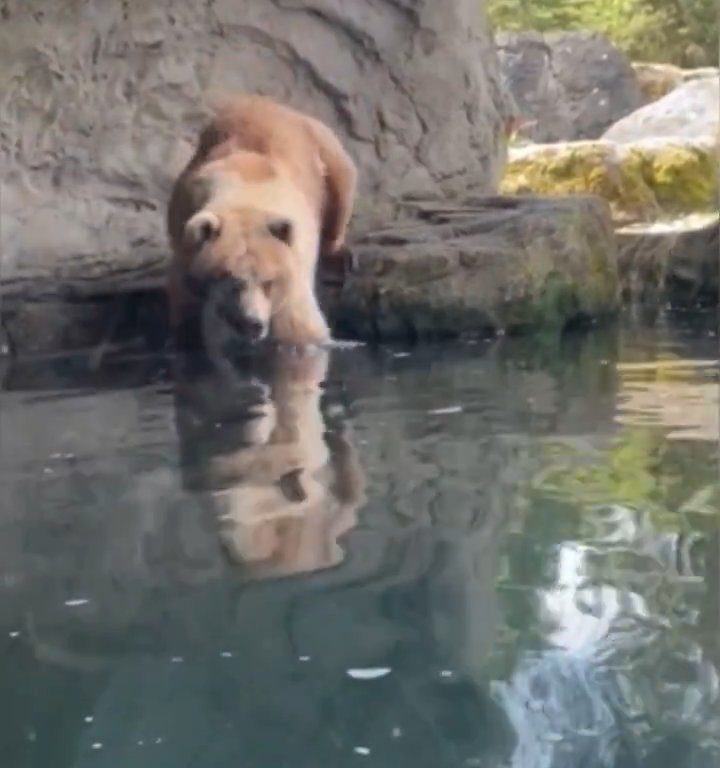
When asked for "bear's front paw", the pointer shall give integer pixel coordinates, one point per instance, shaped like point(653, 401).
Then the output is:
point(299, 333)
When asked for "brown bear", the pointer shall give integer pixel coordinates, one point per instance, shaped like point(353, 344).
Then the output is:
point(267, 190)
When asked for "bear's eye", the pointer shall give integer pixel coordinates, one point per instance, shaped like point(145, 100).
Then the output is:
point(281, 229)
point(267, 287)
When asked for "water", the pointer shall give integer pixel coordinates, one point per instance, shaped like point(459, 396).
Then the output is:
point(492, 554)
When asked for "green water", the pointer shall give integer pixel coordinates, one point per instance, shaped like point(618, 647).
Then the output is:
point(492, 554)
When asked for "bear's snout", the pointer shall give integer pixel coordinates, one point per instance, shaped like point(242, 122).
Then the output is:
point(230, 296)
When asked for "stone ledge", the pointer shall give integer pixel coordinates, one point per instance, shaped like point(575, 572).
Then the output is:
point(443, 269)
point(482, 265)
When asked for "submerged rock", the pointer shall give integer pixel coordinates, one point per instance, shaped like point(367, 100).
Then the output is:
point(642, 180)
point(481, 265)
point(572, 85)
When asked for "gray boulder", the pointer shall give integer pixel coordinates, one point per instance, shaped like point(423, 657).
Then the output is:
point(572, 85)
point(690, 111)
point(101, 103)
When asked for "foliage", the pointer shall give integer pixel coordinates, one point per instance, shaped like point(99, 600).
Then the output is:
point(642, 470)
point(684, 32)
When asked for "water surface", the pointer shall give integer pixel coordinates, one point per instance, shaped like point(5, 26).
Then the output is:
point(495, 554)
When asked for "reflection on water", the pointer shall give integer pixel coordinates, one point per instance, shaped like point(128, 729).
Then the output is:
point(488, 555)
point(675, 393)
point(283, 484)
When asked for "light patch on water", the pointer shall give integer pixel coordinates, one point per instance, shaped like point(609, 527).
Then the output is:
point(445, 411)
point(345, 344)
point(550, 700)
point(364, 751)
point(676, 394)
point(368, 673)
point(76, 601)
point(446, 673)
point(582, 616)
point(668, 365)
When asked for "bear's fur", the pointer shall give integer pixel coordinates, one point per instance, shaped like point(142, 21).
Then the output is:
point(267, 190)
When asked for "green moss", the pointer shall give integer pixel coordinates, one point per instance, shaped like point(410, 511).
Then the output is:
point(579, 169)
point(551, 303)
point(645, 181)
point(683, 178)
point(602, 288)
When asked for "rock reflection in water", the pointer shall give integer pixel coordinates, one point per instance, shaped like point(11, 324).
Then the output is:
point(282, 484)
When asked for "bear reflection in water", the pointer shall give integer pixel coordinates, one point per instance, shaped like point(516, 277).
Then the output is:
point(283, 482)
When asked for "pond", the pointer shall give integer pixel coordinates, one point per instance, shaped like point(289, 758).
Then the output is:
point(482, 554)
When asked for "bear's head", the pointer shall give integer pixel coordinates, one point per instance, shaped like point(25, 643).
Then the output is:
point(240, 268)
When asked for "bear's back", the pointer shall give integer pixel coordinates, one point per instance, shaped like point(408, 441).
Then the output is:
point(257, 124)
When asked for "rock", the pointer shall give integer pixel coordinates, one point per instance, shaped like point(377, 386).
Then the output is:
point(101, 107)
point(4, 347)
point(487, 264)
point(643, 180)
point(444, 269)
point(701, 73)
point(574, 85)
point(81, 321)
point(674, 262)
point(657, 80)
point(691, 111)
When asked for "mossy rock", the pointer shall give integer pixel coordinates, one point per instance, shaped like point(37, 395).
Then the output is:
point(479, 265)
point(683, 177)
point(643, 181)
point(581, 168)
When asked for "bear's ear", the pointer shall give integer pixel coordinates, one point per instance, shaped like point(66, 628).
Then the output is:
point(202, 227)
point(282, 229)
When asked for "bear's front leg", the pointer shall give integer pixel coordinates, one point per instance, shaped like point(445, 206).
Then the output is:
point(300, 321)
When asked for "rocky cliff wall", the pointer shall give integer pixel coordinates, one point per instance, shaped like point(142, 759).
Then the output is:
point(100, 101)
